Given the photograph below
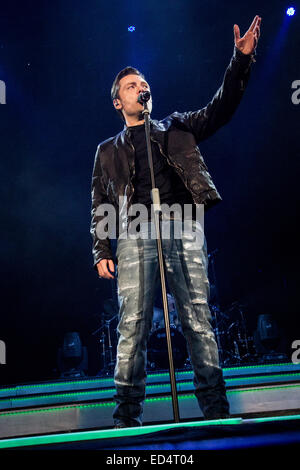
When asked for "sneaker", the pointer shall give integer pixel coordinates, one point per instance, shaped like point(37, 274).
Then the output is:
point(119, 424)
point(218, 416)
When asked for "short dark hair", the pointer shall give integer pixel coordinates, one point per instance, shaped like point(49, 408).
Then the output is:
point(116, 84)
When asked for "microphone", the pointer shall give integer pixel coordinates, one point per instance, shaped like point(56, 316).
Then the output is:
point(144, 96)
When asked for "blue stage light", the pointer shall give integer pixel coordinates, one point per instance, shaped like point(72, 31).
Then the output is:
point(131, 28)
point(290, 11)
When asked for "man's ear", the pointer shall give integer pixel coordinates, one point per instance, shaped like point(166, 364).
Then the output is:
point(117, 103)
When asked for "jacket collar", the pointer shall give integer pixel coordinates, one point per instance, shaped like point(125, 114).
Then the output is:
point(126, 131)
point(157, 131)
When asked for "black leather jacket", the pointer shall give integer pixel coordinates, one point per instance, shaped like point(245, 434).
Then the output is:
point(177, 136)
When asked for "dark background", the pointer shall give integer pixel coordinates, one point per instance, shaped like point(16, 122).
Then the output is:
point(58, 60)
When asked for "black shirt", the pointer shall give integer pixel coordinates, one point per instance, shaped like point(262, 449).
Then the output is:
point(171, 187)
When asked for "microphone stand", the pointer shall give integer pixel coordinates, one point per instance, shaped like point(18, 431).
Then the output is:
point(156, 205)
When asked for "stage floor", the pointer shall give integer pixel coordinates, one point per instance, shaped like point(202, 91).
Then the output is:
point(229, 434)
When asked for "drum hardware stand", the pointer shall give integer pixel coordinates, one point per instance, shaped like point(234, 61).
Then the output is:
point(236, 354)
point(242, 338)
point(245, 340)
point(216, 308)
point(142, 99)
point(108, 367)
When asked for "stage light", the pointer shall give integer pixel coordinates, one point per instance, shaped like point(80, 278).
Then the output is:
point(290, 11)
point(269, 343)
point(72, 356)
point(131, 28)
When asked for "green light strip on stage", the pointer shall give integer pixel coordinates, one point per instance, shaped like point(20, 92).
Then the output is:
point(275, 418)
point(164, 374)
point(88, 392)
point(76, 382)
point(67, 407)
point(72, 394)
point(58, 395)
point(149, 387)
point(148, 400)
point(270, 387)
point(270, 376)
point(56, 408)
point(127, 432)
point(260, 366)
point(110, 433)
point(55, 384)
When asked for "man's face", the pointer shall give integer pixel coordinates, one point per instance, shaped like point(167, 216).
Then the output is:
point(130, 88)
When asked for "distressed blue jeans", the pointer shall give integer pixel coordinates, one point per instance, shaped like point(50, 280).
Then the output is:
point(186, 264)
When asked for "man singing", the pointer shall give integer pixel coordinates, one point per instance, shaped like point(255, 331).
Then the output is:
point(121, 173)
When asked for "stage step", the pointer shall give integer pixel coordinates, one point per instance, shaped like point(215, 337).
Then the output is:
point(234, 376)
point(103, 394)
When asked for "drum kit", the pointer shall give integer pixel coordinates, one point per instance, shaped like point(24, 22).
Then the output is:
point(235, 345)
point(157, 353)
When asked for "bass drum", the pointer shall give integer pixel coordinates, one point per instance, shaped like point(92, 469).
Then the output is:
point(158, 351)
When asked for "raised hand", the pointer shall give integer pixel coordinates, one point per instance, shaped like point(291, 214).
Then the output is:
point(247, 44)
